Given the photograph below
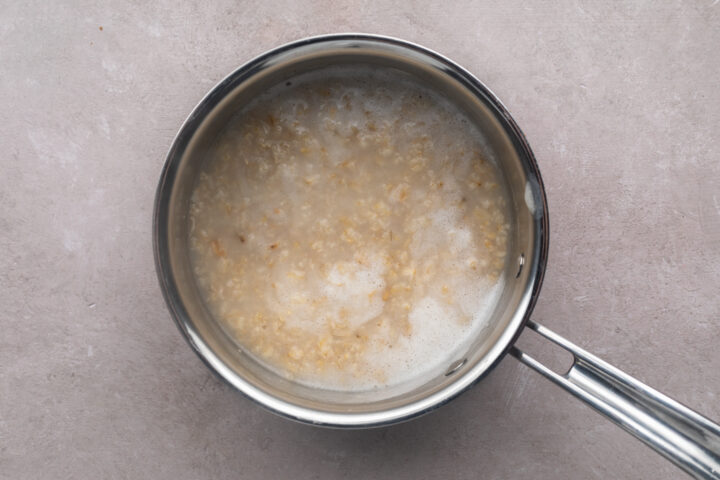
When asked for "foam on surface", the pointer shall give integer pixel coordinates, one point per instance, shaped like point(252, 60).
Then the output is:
point(349, 231)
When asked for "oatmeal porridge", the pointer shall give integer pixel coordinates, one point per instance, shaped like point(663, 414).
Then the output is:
point(348, 231)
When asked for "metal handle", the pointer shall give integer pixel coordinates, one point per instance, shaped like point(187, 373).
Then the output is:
point(686, 438)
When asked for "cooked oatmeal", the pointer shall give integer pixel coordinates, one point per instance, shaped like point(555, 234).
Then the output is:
point(349, 232)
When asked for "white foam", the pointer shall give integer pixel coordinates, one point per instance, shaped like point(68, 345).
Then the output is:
point(346, 293)
point(438, 336)
point(351, 288)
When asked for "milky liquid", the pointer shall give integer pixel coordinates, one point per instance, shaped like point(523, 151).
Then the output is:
point(349, 231)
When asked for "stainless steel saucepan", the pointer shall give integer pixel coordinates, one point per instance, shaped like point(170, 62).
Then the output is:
point(688, 439)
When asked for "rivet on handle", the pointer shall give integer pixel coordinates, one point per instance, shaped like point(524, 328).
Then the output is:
point(521, 263)
point(455, 366)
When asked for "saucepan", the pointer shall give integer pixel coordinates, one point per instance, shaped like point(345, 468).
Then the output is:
point(685, 437)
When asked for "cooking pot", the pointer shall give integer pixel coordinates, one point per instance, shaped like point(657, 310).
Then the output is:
point(688, 439)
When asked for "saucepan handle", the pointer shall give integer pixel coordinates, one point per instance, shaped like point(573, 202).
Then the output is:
point(686, 438)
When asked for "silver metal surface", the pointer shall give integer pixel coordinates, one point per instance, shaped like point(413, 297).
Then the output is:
point(505, 144)
point(686, 438)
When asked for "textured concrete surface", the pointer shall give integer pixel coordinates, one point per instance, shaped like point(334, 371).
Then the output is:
point(621, 105)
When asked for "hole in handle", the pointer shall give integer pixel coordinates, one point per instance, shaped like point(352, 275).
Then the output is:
point(549, 354)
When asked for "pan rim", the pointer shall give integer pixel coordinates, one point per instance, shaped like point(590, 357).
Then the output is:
point(306, 414)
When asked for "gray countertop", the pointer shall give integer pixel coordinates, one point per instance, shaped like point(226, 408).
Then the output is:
point(622, 108)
